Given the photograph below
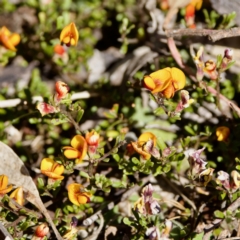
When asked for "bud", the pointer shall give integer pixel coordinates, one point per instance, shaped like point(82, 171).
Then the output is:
point(42, 230)
point(61, 89)
point(227, 58)
point(92, 139)
point(59, 49)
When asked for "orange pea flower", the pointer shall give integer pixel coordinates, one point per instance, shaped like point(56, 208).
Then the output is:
point(8, 39)
point(17, 195)
point(93, 139)
point(77, 150)
point(52, 169)
point(62, 90)
point(166, 81)
point(77, 195)
point(69, 35)
point(3, 185)
point(146, 145)
point(222, 133)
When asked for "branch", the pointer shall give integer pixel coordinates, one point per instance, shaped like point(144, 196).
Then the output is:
point(213, 35)
point(110, 152)
point(176, 55)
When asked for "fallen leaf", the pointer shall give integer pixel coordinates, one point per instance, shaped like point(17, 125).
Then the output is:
point(13, 167)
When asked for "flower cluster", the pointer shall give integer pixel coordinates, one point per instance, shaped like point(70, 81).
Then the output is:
point(165, 81)
point(80, 146)
point(8, 39)
point(145, 146)
point(198, 168)
point(210, 67)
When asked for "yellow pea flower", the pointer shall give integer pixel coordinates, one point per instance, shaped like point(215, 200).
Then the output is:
point(69, 35)
point(77, 150)
point(3, 185)
point(77, 195)
point(166, 81)
point(222, 133)
point(146, 145)
point(17, 195)
point(8, 39)
point(52, 169)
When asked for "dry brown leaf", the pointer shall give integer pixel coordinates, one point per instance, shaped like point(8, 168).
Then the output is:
point(13, 167)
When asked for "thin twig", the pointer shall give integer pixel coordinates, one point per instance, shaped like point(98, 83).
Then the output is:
point(213, 35)
point(209, 228)
point(176, 55)
point(110, 152)
point(14, 102)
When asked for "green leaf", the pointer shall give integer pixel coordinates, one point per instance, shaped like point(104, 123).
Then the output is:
point(79, 115)
point(127, 221)
point(40, 183)
point(135, 161)
point(219, 214)
point(84, 174)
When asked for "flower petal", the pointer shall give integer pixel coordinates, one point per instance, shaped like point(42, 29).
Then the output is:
point(3, 182)
point(161, 79)
point(139, 150)
point(169, 91)
point(47, 164)
point(70, 153)
point(73, 192)
point(15, 39)
point(84, 198)
point(178, 77)
point(17, 195)
point(146, 136)
point(52, 175)
point(149, 83)
point(58, 168)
